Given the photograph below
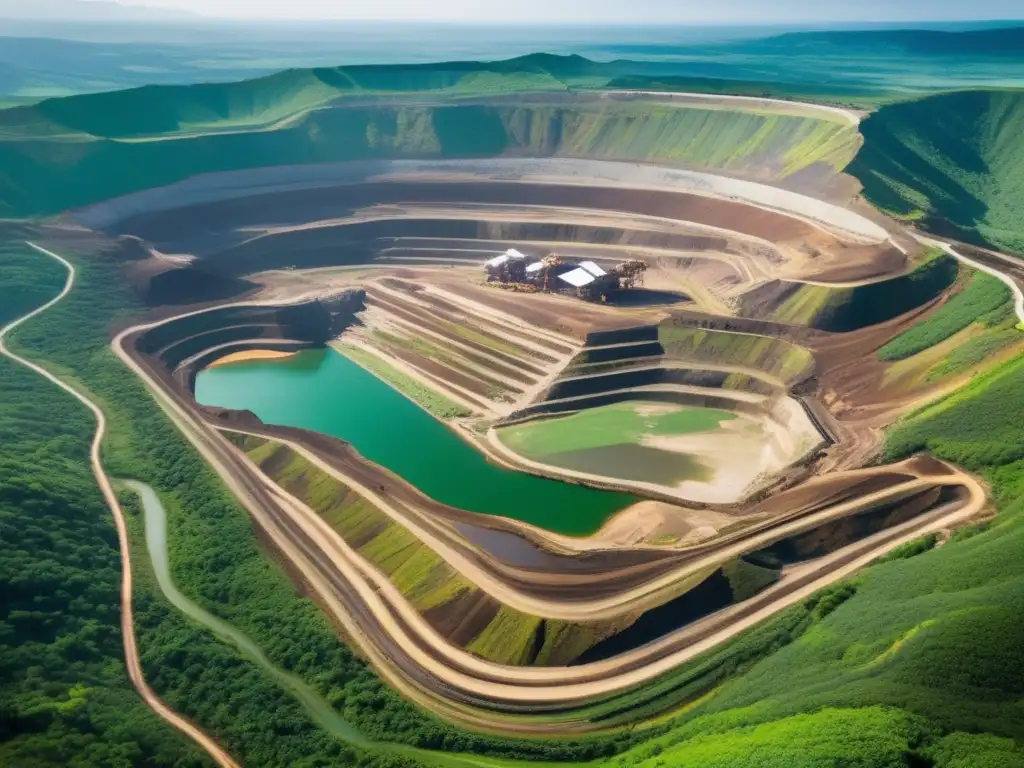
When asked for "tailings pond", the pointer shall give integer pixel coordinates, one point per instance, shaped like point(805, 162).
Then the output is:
point(323, 391)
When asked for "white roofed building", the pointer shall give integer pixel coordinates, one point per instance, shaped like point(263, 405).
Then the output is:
point(577, 278)
point(497, 261)
point(509, 266)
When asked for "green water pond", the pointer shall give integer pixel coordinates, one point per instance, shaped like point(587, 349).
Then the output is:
point(323, 391)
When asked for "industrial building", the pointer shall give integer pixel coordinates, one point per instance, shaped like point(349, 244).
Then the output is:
point(553, 274)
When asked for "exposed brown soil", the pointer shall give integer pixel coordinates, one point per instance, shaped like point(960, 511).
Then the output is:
point(213, 229)
point(465, 617)
point(572, 579)
point(413, 315)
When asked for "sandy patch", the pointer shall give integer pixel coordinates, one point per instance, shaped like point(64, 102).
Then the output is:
point(656, 409)
point(250, 354)
point(735, 459)
point(656, 522)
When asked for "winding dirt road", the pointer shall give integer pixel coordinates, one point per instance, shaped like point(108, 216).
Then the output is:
point(131, 652)
point(1013, 285)
point(453, 683)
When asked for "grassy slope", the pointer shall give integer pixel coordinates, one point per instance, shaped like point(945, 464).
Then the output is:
point(417, 571)
point(773, 356)
point(847, 309)
point(61, 154)
point(955, 162)
point(988, 338)
point(982, 295)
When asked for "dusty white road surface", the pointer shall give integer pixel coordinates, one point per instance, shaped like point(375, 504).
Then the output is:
point(1018, 294)
point(230, 185)
point(420, 663)
point(683, 98)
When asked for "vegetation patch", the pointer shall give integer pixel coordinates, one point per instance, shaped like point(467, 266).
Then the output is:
point(978, 426)
point(616, 424)
point(911, 549)
point(952, 161)
point(873, 736)
point(999, 330)
point(433, 402)
point(983, 295)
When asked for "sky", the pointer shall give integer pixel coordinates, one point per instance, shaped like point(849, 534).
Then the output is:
point(606, 11)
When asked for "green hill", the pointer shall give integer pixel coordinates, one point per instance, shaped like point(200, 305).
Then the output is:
point(954, 162)
point(163, 110)
point(71, 152)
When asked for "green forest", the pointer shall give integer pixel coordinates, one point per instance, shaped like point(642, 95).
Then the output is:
point(983, 294)
point(66, 695)
point(951, 162)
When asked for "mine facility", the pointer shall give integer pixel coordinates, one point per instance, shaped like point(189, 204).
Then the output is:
point(587, 280)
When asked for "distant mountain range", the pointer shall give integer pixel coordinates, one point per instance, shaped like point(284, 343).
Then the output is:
point(87, 10)
point(1000, 41)
point(42, 58)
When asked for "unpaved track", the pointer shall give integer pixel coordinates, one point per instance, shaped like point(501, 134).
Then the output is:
point(446, 679)
point(358, 575)
point(847, 115)
point(131, 652)
point(1013, 285)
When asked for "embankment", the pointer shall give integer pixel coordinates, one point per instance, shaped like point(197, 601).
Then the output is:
point(113, 157)
point(952, 163)
point(184, 345)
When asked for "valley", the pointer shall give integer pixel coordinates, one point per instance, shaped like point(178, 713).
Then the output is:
point(458, 514)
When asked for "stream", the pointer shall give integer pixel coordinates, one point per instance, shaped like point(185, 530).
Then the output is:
point(322, 713)
point(156, 544)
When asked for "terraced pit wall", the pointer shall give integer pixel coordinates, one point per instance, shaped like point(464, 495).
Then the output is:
point(183, 346)
point(672, 363)
point(841, 310)
point(67, 159)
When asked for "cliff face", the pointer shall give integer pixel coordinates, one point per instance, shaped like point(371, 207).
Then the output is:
point(63, 161)
point(184, 346)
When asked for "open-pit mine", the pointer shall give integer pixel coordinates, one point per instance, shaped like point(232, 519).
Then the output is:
point(538, 423)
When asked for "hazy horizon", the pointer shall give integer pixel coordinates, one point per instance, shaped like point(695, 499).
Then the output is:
point(589, 12)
